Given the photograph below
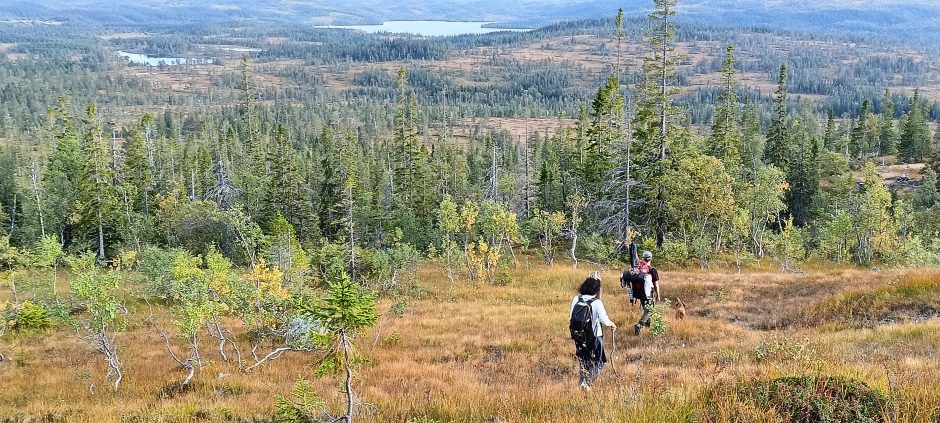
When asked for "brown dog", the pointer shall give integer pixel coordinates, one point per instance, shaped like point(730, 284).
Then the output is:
point(680, 309)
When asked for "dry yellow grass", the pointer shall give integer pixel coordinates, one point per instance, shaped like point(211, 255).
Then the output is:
point(468, 353)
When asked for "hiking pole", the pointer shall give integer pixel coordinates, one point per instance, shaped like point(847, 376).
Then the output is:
point(613, 352)
point(613, 339)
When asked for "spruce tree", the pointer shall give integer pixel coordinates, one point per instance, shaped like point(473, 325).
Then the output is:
point(753, 141)
point(413, 176)
point(859, 142)
point(803, 176)
point(330, 188)
point(888, 141)
point(663, 65)
point(10, 199)
point(871, 212)
point(926, 195)
point(779, 145)
point(61, 179)
point(656, 118)
point(914, 145)
point(831, 136)
point(606, 115)
point(726, 131)
point(407, 143)
point(97, 201)
point(137, 172)
point(935, 162)
point(287, 193)
point(251, 167)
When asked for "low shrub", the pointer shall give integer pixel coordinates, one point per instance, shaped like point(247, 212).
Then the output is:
point(28, 317)
point(800, 399)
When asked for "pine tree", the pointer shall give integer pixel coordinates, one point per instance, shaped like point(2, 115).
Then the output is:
point(346, 311)
point(424, 198)
point(779, 145)
point(934, 146)
point(726, 132)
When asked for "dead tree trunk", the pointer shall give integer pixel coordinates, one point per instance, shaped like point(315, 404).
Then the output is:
point(34, 179)
point(348, 384)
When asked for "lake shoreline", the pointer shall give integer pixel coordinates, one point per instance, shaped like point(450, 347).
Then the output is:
point(428, 28)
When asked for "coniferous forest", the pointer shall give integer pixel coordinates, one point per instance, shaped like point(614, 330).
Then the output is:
point(286, 192)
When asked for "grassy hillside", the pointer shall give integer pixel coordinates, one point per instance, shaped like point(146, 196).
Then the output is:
point(453, 352)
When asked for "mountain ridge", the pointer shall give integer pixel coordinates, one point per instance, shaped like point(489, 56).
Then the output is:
point(896, 18)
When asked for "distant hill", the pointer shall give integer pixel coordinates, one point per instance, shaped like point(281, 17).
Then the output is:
point(902, 19)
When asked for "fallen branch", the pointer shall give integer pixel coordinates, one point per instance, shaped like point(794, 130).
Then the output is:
point(274, 355)
point(188, 364)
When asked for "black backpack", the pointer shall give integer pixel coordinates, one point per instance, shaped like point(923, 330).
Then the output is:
point(635, 282)
point(582, 323)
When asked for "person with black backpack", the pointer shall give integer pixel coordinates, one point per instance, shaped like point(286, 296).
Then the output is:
point(642, 284)
point(587, 317)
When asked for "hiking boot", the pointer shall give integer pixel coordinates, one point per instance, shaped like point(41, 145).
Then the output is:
point(585, 386)
point(636, 329)
point(647, 324)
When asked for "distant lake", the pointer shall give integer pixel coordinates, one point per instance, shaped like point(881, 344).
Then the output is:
point(145, 60)
point(428, 28)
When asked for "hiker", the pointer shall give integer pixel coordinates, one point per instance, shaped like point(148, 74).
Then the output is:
point(645, 294)
point(587, 316)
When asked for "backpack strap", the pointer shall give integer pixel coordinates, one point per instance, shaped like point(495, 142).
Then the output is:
point(591, 310)
point(588, 302)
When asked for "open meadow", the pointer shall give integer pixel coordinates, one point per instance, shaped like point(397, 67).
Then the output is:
point(233, 213)
point(456, 352)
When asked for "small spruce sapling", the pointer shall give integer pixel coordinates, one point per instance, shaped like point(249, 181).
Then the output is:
point(345, 312)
